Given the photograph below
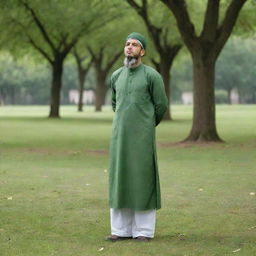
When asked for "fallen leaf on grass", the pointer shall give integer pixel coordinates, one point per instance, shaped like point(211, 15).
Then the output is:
point(101, 249)
point(237, 250)
point(182, 236)
point(75, 153)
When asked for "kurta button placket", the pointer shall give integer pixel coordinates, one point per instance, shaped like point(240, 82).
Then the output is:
point(129, 82)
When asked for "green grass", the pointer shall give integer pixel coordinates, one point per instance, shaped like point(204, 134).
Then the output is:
point(53, 184)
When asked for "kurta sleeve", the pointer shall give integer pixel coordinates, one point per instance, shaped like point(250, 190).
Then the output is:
point(158, 96)
point(113, 80)
point(113, 93)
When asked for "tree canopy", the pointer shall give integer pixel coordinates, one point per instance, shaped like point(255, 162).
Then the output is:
point(48, 31)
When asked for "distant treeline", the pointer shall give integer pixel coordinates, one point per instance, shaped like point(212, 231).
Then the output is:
point(23, 82)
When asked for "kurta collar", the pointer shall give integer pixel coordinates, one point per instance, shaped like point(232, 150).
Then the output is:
point(132, 70)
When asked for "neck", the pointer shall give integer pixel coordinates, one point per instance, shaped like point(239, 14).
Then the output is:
point(137, 63)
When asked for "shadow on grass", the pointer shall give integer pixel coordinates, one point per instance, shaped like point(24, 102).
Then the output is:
point(208, 238)
point(54, 120)
point(83, 119)
point(179, 121)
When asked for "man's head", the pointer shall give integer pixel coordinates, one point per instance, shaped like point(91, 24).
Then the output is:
point(134, 49)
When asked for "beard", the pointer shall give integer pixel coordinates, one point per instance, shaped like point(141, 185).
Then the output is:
point(130, 61)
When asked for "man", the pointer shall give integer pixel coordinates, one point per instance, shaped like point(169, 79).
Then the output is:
point(139, 102)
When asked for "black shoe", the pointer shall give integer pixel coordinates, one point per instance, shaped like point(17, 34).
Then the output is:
point(142, 239)
point(114, 238)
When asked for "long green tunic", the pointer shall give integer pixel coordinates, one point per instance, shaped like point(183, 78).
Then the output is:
point(139, 102)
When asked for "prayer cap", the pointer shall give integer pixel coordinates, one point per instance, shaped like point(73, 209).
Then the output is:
point(138, 37)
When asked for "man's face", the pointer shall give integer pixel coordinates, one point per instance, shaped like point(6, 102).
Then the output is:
point(133, 49)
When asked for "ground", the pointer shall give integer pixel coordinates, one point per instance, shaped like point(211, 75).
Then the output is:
point(54, 176)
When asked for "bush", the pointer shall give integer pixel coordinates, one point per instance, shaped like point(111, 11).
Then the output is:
point(221, 97)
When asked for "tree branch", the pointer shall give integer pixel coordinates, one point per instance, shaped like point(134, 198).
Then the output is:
point(77, 58)
point(79, 61)
point(69, 46)
point(156, 64)
point(62, 41)
point(228, 23)
point(211, 20)
point(39, 24)
point(90, 51)
point(32, 42)
point(112, 61)
point(97, 57)
point(186, 27)
point(40, 49)
point(152, 29)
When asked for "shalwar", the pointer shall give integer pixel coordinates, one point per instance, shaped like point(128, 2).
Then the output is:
point(126, 222)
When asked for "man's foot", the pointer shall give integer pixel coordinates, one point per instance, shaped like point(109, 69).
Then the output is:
point(114, 238)
point(142, 239)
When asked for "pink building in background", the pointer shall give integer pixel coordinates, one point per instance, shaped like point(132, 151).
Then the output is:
point(88, 96)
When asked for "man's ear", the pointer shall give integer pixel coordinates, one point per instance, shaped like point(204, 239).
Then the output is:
point(142, 52)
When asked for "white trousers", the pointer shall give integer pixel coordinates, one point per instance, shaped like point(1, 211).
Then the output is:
point(126, 222)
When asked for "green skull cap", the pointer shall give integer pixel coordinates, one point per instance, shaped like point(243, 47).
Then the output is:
point(139, 37)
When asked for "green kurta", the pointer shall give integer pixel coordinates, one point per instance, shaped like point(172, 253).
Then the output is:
point(139, 102)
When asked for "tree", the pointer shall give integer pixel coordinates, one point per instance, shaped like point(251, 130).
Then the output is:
point(231, 67)
point(228, 71)
point(166, 49)
point(105, 49)
point(22, 81)
point(48, 29)
point(205, 49)
point(83, 70)
point(102, 64)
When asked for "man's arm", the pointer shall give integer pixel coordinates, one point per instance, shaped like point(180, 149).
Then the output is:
point(158, 96)
point(113, 80)
point(113, 93)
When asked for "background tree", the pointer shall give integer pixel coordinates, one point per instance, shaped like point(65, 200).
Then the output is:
point(204, 49)
point(103, 62)
point(235, 69)
point(105, 49)
point(166, 45)
point(84, 63)
point(23, 81)
point(48, 29)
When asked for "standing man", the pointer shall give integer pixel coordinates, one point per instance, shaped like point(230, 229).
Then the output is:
point(139, 102)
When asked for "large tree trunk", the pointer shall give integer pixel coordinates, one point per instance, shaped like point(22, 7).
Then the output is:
point(101, 90)
point(210, 41)
point(82, 75)
point(165, 67)
point(203, 128)
point(57, 69)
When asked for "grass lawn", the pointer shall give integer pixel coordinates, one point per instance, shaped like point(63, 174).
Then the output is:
point(54, 192)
